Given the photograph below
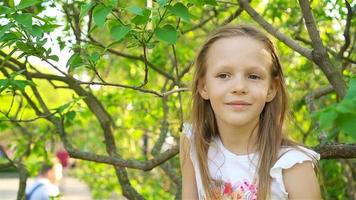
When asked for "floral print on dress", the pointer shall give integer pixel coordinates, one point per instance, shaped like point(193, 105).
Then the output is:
point(238, 191)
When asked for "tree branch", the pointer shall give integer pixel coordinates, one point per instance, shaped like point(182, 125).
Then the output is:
point(331, 51)
point(134, 164)
point(202, 23)
point(27, 120)
point(332, 151)
point(233, 16)
point(320, 57)
point(346, 31)
point(67, 80)
point(133, 57)
point(269, 28)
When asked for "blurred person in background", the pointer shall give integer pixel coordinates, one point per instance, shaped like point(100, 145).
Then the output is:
point(45, 186)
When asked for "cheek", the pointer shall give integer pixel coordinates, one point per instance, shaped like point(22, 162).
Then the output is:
point(216, 93)
point(261, 92)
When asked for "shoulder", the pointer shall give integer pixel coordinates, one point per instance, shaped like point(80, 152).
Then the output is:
point(294, 170)
point(301, 181)
point(290, 156)
point(189, 186)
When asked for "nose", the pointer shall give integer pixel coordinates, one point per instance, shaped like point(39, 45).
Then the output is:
point(239, 85)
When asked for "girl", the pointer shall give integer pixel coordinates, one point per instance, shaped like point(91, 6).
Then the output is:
point(234, 147)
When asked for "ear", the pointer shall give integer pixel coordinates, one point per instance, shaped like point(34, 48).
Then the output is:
point(272, 90)
point(202, 89)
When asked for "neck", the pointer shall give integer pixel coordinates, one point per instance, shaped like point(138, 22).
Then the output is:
point(239, 139)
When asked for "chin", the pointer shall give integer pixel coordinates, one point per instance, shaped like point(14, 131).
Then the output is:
point(239, 123)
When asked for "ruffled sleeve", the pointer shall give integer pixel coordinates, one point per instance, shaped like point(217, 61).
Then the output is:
point(288, 158)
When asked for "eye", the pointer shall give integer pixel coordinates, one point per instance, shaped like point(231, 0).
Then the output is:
point(223, 76)
point(254, 77)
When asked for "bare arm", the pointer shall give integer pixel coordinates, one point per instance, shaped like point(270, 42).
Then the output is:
point(301, 182)
point(189, 187)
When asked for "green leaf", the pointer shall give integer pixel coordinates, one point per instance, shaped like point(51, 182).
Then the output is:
point(167, 34)
point(6, 10)
point(24, 47)
point(118, 32)
point(162, 2)
point(113, 3)
point(5, 28)
point(181, 11)
point(351, 92)
point(11, 3)
point(49, 27)
point(84, 9)
point(4, 83)
point(21, 84)
point(142, 19)
point(100, 13)
point(327, 118)
point(210, 2)
point(70, 115)
point(23, 19)
point(346, 122)
point(204, 2)
point(61, 108)
point(74, 61)
point(93, 28)
point(36, 31)
point(41, 42)
point(53, 57)
point(346, 106)
point(135, 10)
point(3, 126)
point(10, 36)
point(27, 3)
point(94, 57)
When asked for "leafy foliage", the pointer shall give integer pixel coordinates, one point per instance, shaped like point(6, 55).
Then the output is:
point(126, 62)
point(343, 114)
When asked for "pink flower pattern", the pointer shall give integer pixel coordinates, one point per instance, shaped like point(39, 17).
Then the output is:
point(238, 191)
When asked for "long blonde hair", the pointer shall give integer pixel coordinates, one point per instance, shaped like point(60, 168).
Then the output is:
point(269, 138)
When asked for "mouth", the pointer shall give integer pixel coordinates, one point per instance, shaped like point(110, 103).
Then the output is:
point(238, 105)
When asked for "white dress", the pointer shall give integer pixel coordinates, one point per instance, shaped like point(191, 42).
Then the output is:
point(236, 173)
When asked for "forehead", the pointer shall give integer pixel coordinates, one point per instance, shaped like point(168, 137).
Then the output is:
point(238, 52)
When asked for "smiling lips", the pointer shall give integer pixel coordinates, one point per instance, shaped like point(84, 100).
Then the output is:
point(239, 105)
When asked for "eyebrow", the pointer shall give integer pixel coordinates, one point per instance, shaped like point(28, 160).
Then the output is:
point(257, 68)
point(228, 67)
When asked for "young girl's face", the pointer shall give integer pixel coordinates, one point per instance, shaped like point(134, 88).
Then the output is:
point(238, 80)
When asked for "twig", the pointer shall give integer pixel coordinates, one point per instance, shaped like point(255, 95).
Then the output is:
point(346, 31)
point(123, 86)
point(140, 58)
point(175, 64)
point(27, 120)
point(228, 2)
point(333, 52)
point(12, 103)
point(233, 16)
point(269, 28)
point(145, 81)
point(202, 23)
point(167, 93)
